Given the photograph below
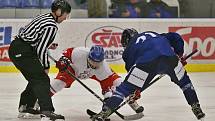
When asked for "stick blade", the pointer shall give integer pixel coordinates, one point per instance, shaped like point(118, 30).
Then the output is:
point(134, 117)
point(126, 118)
point(90, 113)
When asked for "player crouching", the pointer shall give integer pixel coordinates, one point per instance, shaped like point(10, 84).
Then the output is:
point(88, 63)
point(146, 55)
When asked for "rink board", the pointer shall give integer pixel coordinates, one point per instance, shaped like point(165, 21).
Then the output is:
point(197, 33)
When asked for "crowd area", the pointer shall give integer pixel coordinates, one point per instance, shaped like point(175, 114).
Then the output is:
point(135, 9)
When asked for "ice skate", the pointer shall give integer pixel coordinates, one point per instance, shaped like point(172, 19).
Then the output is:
point(102, 115)
point(50, 116)
point(28, 113)
point(137, 108)
point(198, 111)
point(92, 113)
point(97, 118)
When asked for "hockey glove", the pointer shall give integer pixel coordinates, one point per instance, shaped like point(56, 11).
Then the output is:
point(135, 96)
point(63, 63)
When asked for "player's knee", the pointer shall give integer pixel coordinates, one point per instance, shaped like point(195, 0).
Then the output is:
point(107, 94)
point(124, 90)
point(56, 86)
point(67, 79)
point(116, 83)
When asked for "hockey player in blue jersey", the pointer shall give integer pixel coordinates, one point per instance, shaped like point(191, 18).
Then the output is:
point(146, 55)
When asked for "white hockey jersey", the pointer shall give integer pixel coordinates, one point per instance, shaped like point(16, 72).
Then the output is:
point(79, 57)
point(104, 75)
point(107, 78)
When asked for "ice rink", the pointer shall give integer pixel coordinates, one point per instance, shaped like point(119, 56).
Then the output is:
point(163, 101)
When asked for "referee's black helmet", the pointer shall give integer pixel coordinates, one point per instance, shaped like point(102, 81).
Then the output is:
point(127, 34)
point(63, 5)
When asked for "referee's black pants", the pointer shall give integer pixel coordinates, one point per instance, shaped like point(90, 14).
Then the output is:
point(25, 59)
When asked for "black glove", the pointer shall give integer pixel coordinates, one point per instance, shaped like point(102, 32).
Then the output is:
point(63, 63)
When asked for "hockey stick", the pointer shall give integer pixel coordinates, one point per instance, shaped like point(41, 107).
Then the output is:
point(155, 80)
point(131, 117)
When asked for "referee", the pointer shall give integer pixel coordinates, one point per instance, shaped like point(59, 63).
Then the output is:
point(28, 52)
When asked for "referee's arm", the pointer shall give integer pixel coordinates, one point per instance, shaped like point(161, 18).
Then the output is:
point(42, 49)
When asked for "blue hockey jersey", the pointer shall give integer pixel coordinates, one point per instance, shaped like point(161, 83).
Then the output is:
point(148, 46)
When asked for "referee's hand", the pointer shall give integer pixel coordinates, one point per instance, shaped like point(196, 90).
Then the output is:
point(53, 46)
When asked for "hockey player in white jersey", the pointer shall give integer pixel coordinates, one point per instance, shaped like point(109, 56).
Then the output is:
point(87, 63)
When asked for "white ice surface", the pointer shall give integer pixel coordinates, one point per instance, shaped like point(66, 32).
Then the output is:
point(163, 101)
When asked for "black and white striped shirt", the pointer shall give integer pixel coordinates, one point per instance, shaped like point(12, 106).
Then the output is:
point(40, 33)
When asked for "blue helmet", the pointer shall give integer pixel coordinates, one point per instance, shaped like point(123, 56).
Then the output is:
point(96, 53)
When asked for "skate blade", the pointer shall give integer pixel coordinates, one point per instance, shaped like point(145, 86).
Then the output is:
point(48, 119)
point(28, 116)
